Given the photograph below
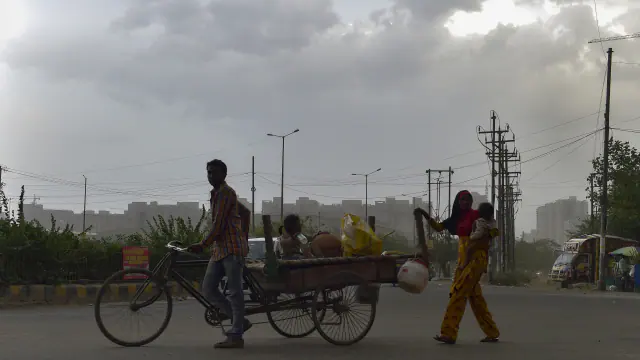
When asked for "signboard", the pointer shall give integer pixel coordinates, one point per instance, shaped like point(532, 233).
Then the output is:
point(571, 246)
point(135, 257)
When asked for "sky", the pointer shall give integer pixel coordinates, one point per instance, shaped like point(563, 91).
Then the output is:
point(137, 96)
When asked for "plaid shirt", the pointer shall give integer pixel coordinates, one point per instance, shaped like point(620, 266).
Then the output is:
point(227, 236)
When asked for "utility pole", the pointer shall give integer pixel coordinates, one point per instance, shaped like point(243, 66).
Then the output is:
point(500, 156)
point(282, 172)
point(429, 183)
point(605, 178)
point(512, 197)
point(492, 152)
point(429, 195)
point(450, 173)
point(592, 222)
point(84, 208)
point(366, 190)
point(501, 213)
point(605, 174)
point(507, 202)
point(429, 204)
point(253, 195)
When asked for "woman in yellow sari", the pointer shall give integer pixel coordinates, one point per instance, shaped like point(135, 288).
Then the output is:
point(472, 263)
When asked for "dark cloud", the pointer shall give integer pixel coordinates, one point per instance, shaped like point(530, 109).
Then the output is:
point(256, 27)
point(399, 92)
point(429, 10)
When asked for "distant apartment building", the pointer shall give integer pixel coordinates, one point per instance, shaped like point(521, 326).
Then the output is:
point(391, 214)
point(554, 220)
point(529, 237)
point(105, 223)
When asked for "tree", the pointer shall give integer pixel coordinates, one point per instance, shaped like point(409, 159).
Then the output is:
point(623, 208)
point(4, 202)
point(160, 230)
point(396, 242)
point(535, 256)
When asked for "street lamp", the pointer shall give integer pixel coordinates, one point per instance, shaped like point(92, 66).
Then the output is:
point(84, 208)
point(366, 191)
point(282, 173)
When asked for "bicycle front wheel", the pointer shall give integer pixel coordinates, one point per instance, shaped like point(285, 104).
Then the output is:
point(133, 304)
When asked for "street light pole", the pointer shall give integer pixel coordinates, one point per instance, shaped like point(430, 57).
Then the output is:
point(282, 172)
point(84, 208)
point(366, 191)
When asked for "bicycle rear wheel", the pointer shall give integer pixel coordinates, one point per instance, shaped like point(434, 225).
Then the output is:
point(138, 300)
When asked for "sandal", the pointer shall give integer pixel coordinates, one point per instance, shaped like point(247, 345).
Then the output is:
point(490, 340)
point(444, 339)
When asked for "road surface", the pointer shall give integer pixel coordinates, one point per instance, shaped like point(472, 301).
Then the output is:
point(535, 325)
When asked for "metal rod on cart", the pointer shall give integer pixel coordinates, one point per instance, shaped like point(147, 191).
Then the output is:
point(272, 263)
point(422, 240)
point(372, 223)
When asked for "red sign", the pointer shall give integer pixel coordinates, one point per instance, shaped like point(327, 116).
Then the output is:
point(135, 257)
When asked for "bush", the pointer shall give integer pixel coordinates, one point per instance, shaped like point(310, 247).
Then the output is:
point(512, 278)
point(33, 254)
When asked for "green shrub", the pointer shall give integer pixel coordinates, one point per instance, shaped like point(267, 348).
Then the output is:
point(512, 278)
point(33, 254)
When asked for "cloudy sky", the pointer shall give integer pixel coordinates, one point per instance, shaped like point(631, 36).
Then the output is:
point(138, 95)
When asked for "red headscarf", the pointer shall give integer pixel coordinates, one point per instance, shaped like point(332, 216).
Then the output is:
point(461, 221)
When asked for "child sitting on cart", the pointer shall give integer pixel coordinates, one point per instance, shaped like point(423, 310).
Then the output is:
point(295, 246)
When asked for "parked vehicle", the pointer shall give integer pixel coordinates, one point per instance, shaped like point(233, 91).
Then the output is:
point(577, 261)
point(257, 251)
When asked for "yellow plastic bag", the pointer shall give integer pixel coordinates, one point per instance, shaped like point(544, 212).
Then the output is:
point(358, 239)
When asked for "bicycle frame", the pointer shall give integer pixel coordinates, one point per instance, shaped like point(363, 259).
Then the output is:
point(166, 271)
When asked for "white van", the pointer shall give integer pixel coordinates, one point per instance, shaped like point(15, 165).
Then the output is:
point(257, 249)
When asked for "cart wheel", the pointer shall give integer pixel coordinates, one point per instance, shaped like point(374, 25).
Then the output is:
point(151, 296)
point(294, 319)
point(348, 318)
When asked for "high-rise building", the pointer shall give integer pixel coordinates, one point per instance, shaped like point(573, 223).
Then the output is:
point(554, 220)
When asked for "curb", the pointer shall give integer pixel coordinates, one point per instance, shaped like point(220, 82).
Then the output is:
point(74, 294)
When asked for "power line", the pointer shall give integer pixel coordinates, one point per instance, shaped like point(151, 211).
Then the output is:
point(525, 136)
point(557, 161)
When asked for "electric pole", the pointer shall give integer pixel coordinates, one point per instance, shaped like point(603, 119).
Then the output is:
point(429, 183)
point(501, 256)
point(84, 208)
point(592, 220)
point(253, 195)
point(450, 173)
point(492, 152)
point(605, 178)
point(604, 200)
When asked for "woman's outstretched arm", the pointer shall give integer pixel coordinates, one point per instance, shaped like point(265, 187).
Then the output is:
point(437, 226)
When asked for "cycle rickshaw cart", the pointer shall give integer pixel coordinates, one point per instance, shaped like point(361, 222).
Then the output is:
point(335, 296)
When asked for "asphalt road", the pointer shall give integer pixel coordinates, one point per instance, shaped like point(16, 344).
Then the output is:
point(534, 324)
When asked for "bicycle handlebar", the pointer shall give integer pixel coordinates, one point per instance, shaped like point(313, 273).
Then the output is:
point(176, 246)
